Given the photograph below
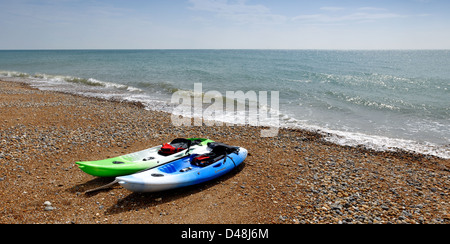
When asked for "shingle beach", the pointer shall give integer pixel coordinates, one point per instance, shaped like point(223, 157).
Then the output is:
point(294, 178)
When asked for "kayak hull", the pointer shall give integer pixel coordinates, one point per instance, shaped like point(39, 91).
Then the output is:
point(180, 173)
point(135, 162)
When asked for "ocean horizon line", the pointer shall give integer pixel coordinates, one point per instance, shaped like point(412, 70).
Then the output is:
point(217, 49)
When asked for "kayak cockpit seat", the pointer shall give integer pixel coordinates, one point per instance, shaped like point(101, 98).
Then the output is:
point(176, 146)
point(218, 151)
point(222, 148)
point(206, 159)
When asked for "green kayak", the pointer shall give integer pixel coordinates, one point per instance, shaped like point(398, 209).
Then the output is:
point(146, 159)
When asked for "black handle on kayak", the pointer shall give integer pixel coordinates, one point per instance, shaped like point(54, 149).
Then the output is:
point(189, 147)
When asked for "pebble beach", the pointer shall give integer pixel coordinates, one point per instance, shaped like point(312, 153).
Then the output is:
point(294, 178)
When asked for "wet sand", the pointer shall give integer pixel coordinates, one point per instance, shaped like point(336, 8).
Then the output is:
point(296, 177)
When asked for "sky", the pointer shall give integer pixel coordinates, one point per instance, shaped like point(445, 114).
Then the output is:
point(225, 24)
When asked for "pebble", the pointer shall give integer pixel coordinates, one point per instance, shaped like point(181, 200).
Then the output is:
point(48, 206)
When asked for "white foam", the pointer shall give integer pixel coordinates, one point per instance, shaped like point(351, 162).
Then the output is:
point(378, 143)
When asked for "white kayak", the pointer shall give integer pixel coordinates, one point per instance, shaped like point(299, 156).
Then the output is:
point(195, 169)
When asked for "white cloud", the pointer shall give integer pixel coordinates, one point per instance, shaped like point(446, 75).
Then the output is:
point(238, 11)
point(332, 9)
point(371, 9)
point(365, 14)
point(227, 7)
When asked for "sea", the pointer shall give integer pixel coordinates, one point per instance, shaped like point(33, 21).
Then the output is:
point(382, 100)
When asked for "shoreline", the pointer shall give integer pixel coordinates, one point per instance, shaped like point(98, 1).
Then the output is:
point(341, 137)
point(296, 177)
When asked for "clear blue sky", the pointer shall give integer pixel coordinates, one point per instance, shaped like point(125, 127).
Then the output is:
point(225, 24)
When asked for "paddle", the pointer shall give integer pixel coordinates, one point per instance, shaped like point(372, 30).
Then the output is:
point(102, 187)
